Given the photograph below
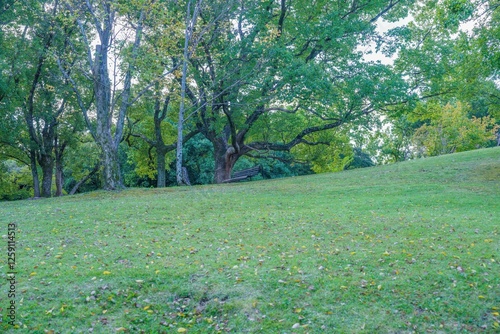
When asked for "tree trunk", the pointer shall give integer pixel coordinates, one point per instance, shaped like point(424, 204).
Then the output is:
point(111, 164)
point(59, 151)
point(225, 159)
point(160, 168)
point(59, 177)
point(47, 163)
point(34, 173)
point(104, 139)
point(190, 22)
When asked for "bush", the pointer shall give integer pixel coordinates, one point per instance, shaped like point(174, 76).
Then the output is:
point(15, 181)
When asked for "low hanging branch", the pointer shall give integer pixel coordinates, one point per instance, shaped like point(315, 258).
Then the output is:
point(295, 141)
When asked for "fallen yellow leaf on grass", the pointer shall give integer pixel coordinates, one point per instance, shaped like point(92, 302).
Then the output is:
point(106, 272)
point(182, 330)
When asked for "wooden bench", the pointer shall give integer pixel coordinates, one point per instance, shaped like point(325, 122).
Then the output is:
point(244, 174)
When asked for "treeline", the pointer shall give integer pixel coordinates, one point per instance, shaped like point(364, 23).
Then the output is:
point(103, 94)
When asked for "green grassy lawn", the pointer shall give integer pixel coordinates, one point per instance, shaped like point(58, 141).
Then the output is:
point(408, 247)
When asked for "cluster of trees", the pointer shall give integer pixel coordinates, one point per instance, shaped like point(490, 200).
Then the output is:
point(113, 93)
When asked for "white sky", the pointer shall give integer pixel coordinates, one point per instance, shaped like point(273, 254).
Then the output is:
point(382, 27)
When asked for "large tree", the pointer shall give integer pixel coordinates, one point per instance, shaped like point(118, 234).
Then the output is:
point(111, 24)
point(448, 54)
point(36, 97)
point(296, 61)
point(156, 111)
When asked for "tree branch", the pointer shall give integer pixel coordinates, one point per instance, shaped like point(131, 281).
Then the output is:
point(127, 85)
point(85, 179)
point(295, 141)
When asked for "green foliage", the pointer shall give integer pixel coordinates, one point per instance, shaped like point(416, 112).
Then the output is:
point(131, 172)
point(79, 161)
point(396, 143)
point(361, 159)
point(335, 156)
point(199, 161)
point(448, 130)
point(15, 181)
point(259, 75)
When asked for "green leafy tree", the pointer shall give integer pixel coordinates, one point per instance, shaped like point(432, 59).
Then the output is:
point(15, 181)
point(449, 130)
point(37, 101)
point(98, 20)
point(298, 59)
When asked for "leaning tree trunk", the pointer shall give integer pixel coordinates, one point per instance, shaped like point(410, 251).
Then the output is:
point(83, 180)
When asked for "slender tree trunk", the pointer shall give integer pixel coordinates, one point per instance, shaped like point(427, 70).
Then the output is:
point(59, 175)
point(59, 151)
point(59, 178)
point(190, 22)
point(160, 168)
point(34, 173)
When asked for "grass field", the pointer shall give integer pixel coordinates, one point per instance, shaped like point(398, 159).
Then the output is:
point(408, 247)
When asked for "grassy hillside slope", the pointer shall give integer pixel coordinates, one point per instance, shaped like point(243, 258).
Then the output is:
point(407, 247)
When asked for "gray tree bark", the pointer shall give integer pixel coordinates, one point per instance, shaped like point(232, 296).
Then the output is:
point(103, 19)
point(190, 23)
